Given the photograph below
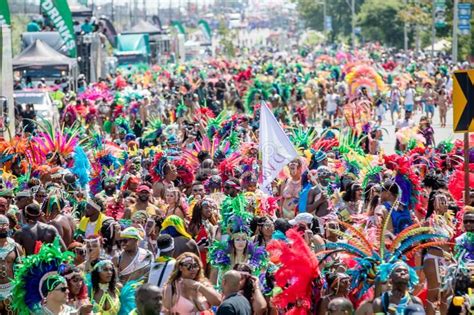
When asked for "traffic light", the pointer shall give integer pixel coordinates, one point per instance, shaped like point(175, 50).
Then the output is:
point(440, 13)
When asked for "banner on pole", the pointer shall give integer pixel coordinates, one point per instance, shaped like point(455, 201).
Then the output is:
point(276, 149)
point(59, 14)
point(4, 12)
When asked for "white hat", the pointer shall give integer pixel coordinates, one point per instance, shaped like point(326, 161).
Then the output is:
point(304, 217)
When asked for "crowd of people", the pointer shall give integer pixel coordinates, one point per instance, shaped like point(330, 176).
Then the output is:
point(146, 199)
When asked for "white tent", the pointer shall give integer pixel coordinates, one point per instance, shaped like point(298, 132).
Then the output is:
point(441, 45)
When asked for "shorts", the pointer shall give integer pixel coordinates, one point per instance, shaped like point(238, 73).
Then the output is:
point(394, 107)
point(429, 109)
point(409, 107)
point(331, 112)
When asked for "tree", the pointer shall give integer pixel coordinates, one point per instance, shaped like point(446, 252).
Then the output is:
point(226, 39)
point(312, 13)
point(379, 21)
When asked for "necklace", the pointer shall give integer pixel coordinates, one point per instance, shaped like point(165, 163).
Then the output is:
point(104, 287)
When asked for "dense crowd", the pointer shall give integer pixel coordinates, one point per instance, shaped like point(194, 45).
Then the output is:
point(146, 197)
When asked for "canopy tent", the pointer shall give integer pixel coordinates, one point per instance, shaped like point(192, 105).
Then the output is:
point(52, 39)
point(144, 27)
point(441, 45)
point(39, 54)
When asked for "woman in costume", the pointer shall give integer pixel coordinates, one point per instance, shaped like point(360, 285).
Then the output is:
point(440, 219)
point(264, 231)
point(203, 226)
point(105, 291)
point(352, 200)
point(188, 291)
point(110, 232)
point(173, 199)
point(238, 249)
point(290, 189)
point(78, 295)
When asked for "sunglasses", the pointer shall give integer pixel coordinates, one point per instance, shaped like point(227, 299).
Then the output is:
point(62, 289)
point(190, 266)
point(124, 241)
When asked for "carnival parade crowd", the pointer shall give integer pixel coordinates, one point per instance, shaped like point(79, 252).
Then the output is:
point(146, 199)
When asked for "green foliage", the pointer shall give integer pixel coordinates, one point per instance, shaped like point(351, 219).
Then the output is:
point(379, 21)
point(19, 23)
point(226, 39)
point(312, 13)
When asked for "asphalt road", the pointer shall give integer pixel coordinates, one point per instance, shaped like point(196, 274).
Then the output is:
point(388, 143)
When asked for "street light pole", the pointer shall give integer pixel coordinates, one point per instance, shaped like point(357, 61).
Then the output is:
point(454, 56)
point(353, 22)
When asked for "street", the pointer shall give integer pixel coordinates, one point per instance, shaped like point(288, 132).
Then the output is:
point(388, 143)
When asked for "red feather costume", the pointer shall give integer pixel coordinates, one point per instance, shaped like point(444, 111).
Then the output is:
point(298, 268)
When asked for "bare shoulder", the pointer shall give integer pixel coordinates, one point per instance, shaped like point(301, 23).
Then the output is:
point(377, 305)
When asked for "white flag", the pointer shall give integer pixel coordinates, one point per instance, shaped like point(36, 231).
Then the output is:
point(276, 149)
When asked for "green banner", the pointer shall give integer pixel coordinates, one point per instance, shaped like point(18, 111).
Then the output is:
point(59, 14)
point(4, 12)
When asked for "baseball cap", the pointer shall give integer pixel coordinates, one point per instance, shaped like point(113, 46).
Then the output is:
point(142, 188)
point(304, 217)
point(131, 232)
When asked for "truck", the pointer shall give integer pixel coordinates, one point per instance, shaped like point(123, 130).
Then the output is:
point(132, 50)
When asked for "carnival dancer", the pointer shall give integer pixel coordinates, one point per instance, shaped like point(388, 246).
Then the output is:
point(399, 297)
point(134, 262)
point(37, 286)
point(34, 233)
point(10, 255)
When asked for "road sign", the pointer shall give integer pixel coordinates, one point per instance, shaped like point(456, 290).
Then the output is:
point(464, 15)
point(463, 101)
point(328, 23)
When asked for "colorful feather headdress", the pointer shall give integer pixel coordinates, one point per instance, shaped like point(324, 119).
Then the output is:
point(235, 217)
point(371, 255)
point(32, 272)
point(297, 271)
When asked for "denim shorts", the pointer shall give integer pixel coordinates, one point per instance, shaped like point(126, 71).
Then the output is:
point(429, 109)
point(409, 107)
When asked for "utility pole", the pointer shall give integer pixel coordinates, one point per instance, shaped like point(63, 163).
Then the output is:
point(325, 16)
point(405, 31)
point(144, 10)
point(353, 22)
point(454, 56)
point(433, 29)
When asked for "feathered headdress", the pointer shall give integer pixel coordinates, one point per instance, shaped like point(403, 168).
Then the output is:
point(298, 269)
point(235, 217)
point(32, 272)
point(56, 144)
point(153, 130)
point(81, 167)
point(370, 255)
